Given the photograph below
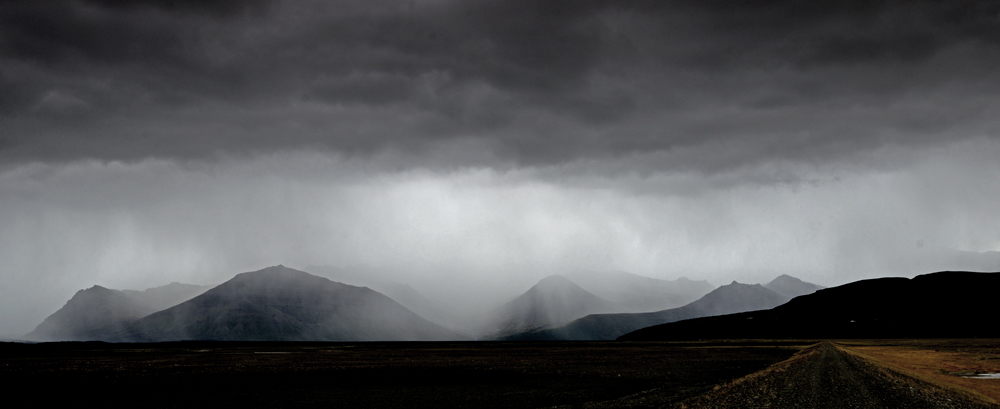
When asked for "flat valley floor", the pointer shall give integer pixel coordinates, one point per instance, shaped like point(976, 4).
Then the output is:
point(757, 373)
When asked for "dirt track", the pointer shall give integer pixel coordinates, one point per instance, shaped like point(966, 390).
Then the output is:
point(828, 377)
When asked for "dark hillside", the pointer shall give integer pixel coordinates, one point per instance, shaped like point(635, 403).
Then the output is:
point(947, 304)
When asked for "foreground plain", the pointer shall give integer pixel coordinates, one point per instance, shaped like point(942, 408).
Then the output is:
point(380, 375)
point(703, 374)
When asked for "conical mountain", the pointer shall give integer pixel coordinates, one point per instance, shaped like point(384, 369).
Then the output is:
point(726, 299)
point(640, 293)
point(947, 304)
point(792, 287)
point(554, 300)
point(282, 304)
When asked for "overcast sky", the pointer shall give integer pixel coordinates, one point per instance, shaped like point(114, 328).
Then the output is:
point(491, 143)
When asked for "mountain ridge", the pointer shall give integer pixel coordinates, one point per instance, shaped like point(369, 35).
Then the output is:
point(934, 305)
point(734, 297)
point(640, 293)
point(282, 304)
point(791, 287)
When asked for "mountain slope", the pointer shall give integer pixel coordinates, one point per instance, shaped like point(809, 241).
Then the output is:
point(553, 300)
point(726, 299)
point(791, 287)
point(92, 313)
point(282, 304)
point(88, 311)
point(939, 305)
point(640, 293)
point(404, 294)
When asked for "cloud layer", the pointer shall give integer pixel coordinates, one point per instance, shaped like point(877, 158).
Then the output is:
point(529, 82)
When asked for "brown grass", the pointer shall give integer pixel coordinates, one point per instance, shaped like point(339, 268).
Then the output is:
point(939, 362)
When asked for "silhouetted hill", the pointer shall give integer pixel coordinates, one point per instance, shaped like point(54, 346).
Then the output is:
point(726, 299)
point(639, 293)
point(554, 300)
point(282, 304)
point(791, 287)
point(939, 305)
point(93, 313)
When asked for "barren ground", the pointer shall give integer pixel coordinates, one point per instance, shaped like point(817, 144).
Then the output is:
point(718, 374)
point(375, 375)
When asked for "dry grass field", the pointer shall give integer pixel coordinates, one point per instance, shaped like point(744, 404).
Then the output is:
point(943, 362)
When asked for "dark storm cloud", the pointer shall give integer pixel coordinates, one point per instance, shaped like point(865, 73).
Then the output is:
point(533, 81)
point(215, 7)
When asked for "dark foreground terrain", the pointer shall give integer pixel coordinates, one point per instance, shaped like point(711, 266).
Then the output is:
point(379, 375)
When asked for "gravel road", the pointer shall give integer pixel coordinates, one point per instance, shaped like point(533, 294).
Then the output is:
point(828, 377)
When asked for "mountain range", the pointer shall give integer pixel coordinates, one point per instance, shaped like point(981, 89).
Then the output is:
point(273, 304)
point(638, 293)
point(283, 304)
point(726, 299)
point(97, 310)
point(949, 304)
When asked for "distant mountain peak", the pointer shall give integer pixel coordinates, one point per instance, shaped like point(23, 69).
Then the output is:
point(554, 282)
point(278, 272)
point(553, 300)
point(786, 278)
point(556, 286)
point(791, 287)
point(640, 293)
point(739, 284)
